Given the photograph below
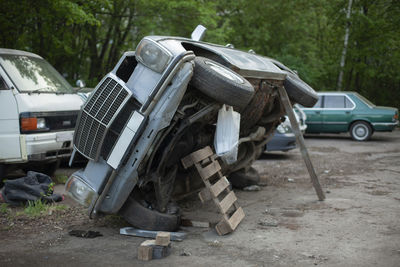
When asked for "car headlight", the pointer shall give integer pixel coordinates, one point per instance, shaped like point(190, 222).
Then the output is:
point(30, 123)
point(80, 191)
point(283, 129)
point(153, 55)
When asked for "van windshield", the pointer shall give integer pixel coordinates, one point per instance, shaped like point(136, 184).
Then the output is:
point(31, 74)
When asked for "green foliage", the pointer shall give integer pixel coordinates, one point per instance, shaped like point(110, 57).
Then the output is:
point(4, 208)
point(84, 39)
point(39, 208)
point(35, 208)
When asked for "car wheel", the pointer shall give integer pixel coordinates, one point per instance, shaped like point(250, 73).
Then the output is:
point(360, 131)
point(298, 91)
point(221, 83)
point(144, 218)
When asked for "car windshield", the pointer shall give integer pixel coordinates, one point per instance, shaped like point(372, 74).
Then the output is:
point(366, 101)
point(31, 74)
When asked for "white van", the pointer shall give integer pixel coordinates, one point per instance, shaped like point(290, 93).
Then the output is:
point(38, 112)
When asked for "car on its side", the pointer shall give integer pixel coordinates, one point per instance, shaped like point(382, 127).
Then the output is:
point(337, 112)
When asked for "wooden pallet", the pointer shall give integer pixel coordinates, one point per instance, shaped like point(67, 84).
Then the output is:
point(217, 188)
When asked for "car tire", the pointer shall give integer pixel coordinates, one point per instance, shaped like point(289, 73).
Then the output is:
point(298, 91)
point(143, 218)
point(360, 131)
point(221, 83)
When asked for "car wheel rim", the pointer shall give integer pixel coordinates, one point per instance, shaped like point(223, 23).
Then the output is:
point(360, 132)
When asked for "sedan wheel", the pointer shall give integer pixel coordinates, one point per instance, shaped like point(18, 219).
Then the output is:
point(360, 131)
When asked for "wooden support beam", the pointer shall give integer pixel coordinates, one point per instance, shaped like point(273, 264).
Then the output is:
point(300, 141)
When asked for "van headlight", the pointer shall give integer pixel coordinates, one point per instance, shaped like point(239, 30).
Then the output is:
point(80, 191)
point(153, 55)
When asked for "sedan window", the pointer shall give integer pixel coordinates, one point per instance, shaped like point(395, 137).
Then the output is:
point(349, 104)
point(334, 101)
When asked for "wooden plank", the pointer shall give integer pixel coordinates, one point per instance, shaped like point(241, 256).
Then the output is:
point(223, 227)
point(209, 170)
point(227, 202)
point(236, 218)
point(196, 156)
point(300, 140)
point(219, 186)
point(205, 195)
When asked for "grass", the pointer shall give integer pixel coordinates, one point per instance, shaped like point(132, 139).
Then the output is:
point(60, 178)
point(38, 208)
point(4, 208)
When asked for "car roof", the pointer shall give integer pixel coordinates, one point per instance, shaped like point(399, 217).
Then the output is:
point(7, 51)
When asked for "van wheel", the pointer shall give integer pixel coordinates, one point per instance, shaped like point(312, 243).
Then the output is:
point(360, 131)
point(144, 218)
point(221, 83)
point(299, 91)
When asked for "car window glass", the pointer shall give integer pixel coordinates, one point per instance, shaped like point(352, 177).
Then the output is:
point(3, 85)
point(334, 101)
point(318, 104)
point(349, 104)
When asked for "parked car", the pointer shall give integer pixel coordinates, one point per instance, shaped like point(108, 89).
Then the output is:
point(38, 112)
point(337, 112)
point(284, 139)
point(159, 104)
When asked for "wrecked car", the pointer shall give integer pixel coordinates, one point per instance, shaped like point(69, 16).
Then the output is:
point(159, 104)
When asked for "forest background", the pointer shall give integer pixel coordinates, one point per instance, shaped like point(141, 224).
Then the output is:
point(84, 39)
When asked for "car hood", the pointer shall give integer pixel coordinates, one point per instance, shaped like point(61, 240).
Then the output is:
point(246, 64)
point(44, 102)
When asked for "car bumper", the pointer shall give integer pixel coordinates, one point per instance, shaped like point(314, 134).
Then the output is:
point(281, 142)
point(385, 126)
point(47, 146)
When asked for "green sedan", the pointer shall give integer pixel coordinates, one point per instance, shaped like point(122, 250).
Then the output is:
point(349, 112)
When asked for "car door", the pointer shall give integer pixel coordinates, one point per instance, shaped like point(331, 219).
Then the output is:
point(9, 123)
point(314, 119)
point(336, 113)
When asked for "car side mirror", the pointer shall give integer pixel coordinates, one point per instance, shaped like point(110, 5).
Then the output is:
point(80, 83)
point(199, 33)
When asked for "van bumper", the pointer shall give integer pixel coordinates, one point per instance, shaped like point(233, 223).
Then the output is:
point(48, 146)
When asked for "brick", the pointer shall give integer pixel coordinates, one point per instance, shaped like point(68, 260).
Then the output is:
point(145, 251)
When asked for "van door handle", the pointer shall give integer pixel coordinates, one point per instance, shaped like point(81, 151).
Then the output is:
point(347, 112)
point(317, 112)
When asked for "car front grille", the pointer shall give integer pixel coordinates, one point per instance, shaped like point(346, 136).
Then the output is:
point(97, 115)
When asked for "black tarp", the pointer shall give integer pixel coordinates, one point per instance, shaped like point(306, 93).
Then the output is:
point(32, 187)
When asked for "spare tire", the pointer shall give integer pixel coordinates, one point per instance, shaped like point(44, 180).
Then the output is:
point(221, 83)
point(143, 218)
point(299, 91)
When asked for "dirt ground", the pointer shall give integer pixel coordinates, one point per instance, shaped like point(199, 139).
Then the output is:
point(285, 224)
